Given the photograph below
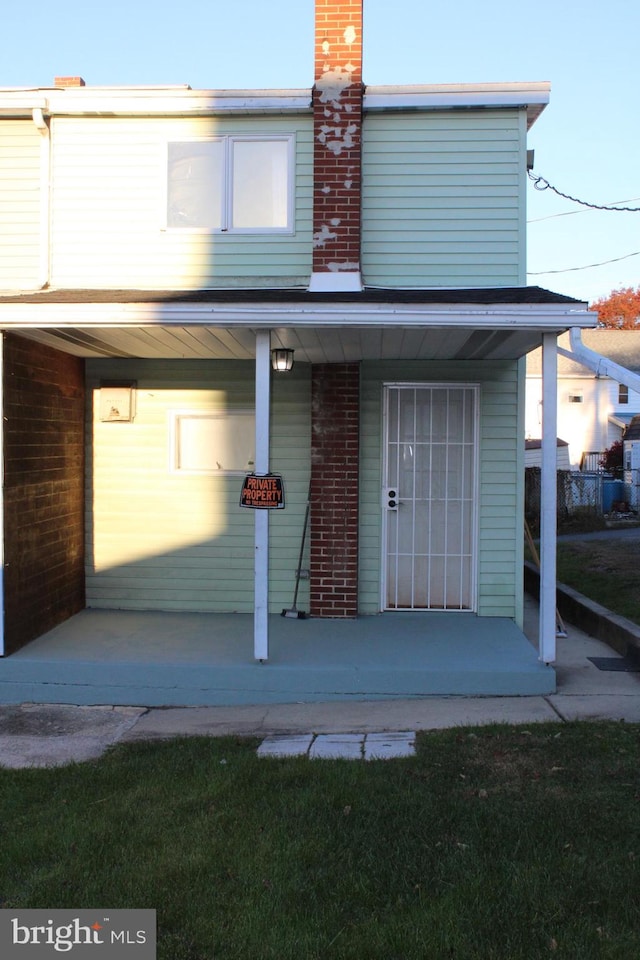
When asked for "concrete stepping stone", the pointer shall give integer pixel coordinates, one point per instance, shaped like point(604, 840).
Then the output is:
point(285, 746)
point(340, 746)
point(387, 746)
point(337, 746)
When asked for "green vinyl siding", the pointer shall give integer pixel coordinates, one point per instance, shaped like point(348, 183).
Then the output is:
point(109, 209)
point(443, 198)
point(161, 540)
point(500, 518)
point(20, 147)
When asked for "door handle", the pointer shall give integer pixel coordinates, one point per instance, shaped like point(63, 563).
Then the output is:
point(390, 498)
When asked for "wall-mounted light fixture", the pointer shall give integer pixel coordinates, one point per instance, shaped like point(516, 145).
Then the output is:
point(282, 359)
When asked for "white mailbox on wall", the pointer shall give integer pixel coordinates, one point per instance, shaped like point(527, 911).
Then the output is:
point(117, 402)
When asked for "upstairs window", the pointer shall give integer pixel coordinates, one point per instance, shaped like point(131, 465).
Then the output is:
point(231, 184)
point(623, 393)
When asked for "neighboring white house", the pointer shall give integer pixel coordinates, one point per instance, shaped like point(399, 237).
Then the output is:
point(533, 454)
point(631, 461)
point(593, 409)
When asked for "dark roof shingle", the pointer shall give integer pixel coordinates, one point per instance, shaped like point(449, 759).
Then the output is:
point(480, 295)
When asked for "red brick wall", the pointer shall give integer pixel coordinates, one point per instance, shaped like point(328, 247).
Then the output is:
point(337, 107)
point(335, 418)
point(44, 488)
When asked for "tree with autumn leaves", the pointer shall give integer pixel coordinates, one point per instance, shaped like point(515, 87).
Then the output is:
point(620, 310)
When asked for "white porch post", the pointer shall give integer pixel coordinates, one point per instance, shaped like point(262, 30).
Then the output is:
point(1, 495)
point(548, 499)
point(261, 517)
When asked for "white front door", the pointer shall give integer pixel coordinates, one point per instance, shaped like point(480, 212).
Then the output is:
point(429, 496)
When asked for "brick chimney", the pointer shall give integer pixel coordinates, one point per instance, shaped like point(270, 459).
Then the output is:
point(337, 127)
point(68, 82)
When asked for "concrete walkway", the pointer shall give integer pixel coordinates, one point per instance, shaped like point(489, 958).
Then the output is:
point(55, 734)
point(625, 531)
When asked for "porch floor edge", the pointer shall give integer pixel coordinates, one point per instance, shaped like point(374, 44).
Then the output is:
point(159, 659)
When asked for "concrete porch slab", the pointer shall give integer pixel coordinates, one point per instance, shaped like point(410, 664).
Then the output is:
point(166, 659)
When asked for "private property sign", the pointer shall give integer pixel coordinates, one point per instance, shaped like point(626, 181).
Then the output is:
point(262, 493)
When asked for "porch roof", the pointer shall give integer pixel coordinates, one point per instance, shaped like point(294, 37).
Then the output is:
point(486, 323)
point(432, 295)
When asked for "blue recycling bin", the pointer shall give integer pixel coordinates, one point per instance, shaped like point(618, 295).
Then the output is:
point(612, 492)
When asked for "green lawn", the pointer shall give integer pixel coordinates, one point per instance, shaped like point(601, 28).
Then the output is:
point(498, 842)
point(607, 571)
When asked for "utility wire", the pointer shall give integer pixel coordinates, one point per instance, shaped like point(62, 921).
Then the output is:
point(541, 184)
point(539, 273)
point(572, 213)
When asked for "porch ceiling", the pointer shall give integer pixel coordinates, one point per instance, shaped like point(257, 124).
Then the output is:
point(311, 344)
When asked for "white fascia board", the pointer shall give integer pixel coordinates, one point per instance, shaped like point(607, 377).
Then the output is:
point(150, 101)
point(458, 94)
point(181, 100)
point(543, 317)
point(533, 96)
point(22, 104)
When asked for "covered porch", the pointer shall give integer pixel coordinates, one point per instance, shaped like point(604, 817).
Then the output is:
point(153, 656)
point(181, 659)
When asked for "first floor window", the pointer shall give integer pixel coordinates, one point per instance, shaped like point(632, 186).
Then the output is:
point(213, 443)
point(231, 184)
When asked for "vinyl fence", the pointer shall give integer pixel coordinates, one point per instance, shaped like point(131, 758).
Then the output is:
point(632, 489)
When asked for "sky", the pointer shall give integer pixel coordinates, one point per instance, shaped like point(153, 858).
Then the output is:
point(586, 143)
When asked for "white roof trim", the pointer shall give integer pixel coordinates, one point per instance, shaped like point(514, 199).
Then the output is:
point(621, 420)
point(543, 317)
point(534, 96)
point(463, 93)
point(601, 366)
point(183, 101)
point(150, 101)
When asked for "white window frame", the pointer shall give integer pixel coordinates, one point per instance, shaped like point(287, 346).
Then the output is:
point(226, 200)
point(243, 422)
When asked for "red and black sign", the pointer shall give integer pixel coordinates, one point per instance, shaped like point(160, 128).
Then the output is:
point(262, 493)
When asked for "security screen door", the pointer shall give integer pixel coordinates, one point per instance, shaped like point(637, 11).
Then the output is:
point(429, 497)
